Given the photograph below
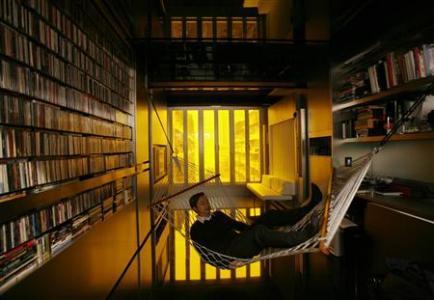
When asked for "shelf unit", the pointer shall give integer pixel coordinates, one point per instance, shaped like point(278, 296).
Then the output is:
point(404, 89)
point(401, 71)
point(397, 137)
point(67, 156)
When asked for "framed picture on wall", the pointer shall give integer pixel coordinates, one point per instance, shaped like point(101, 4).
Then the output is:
point(160, 161)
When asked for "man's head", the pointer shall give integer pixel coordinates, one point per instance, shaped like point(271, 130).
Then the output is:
point(200, 204)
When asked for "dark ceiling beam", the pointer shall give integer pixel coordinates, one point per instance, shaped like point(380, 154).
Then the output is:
point(299, 21)
point(224, 84)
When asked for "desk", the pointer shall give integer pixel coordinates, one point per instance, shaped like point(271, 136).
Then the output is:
point(396, 227)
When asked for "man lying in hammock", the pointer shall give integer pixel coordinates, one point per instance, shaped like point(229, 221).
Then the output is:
point(219, 232)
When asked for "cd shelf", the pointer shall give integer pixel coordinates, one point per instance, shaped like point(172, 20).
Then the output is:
point(53, 39)
point(67, 156)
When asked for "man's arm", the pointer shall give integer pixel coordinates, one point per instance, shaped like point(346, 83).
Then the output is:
point(240, 226)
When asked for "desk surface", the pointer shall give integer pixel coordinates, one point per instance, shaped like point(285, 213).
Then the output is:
point(421, 208)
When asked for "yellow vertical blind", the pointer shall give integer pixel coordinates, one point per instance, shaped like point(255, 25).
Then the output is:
point(254, 146)
point(178, 142)
point(208, 141)
point(255, 268)
point(193, 145)
point(224, 146)
point(180, 253)
point(194, 259)
point(240, 145)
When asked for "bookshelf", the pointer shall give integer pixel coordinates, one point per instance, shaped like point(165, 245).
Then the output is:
point(406, 88)
point(67, 156)
point(372, 95)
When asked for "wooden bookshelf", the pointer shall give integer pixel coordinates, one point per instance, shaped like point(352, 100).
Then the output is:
point(406, 88)
point(397, 137)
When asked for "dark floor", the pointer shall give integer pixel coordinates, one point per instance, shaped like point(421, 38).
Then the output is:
point(238, 290)
point(233, 290)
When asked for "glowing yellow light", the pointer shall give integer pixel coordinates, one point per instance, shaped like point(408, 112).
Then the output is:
point(210, 272)
point(194, 260)
point(240, 145)
point(178, 142)
point(254, 146)
point(255, 268)
point(180, 253)
point(241, 272)
point(224, 146)
point(208, 141)
point(193, 144)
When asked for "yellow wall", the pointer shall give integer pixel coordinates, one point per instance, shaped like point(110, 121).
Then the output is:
point(282, 143)
point(319, 107)
point(282, 110)
point(320, 124)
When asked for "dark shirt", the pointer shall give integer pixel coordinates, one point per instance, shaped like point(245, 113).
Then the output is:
point(217, 233)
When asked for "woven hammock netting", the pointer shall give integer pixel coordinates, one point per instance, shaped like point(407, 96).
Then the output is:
point(172, 193)
point(172, 196)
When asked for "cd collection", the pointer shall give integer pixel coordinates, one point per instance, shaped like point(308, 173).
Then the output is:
point(66, 113)
point(50, 229)
point(37, 44)
point(21, 174)
point(19, 142)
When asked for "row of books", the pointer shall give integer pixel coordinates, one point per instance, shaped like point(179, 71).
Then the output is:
point(17, 142)
point(57, 94)
point(25, 228)
point(28, 21)
point(22, 79)
point(355, 86)
point(99, 47)
point(117, 161)
point(374, 120)
point(123, 184)
point(51, 117)
point(400, 67)
point(396, 68)
point(34, 237)
point(17, 260)
point(22, 174)
point(31, 240)
point(22, 112)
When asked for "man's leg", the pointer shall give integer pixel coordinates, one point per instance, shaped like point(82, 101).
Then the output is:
point(252, 241)
point(291, 216)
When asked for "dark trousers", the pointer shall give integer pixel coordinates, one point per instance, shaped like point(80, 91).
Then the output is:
point(261, 235)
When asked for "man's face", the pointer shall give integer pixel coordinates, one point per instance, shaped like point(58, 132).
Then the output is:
point(203, 208)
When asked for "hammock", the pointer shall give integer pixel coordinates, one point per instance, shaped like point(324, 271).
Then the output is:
point(172, 194)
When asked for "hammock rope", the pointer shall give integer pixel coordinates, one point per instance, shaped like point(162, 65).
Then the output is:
point(172, 194)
